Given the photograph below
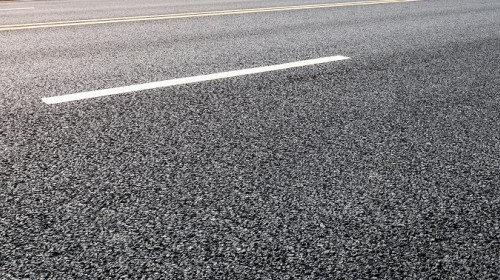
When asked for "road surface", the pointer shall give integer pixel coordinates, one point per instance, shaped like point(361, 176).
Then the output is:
point(385, 164)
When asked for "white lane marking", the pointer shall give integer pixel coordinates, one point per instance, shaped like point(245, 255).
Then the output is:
point(13, 9)
point(187, 80)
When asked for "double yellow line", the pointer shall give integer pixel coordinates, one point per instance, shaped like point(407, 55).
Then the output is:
point(191, 15)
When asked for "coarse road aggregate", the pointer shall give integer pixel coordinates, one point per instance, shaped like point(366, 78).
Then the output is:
point(386, 165)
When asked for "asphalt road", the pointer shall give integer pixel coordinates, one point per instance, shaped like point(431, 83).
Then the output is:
point(386, 165)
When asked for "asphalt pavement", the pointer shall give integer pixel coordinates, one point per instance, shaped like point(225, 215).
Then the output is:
point(382, 166)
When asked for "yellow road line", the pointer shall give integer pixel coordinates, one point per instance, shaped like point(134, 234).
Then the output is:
point(192, 15)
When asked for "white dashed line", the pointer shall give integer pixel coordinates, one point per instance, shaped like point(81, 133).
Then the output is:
point(14, 9)
point(187, 80)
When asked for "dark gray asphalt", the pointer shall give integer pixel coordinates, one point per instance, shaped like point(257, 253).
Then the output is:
point(383, 166)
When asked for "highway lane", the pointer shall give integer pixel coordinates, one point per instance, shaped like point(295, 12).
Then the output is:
point(384, 165)
point(43, 11)
point(95, 21)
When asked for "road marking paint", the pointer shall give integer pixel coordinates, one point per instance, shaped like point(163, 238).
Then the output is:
point(188, 80)
point(192, 15)
point(13, 9)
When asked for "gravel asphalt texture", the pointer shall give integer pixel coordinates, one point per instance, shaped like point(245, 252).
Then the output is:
point(386, 165)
